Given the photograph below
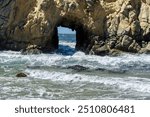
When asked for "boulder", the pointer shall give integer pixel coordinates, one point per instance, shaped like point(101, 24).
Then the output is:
point(115, 52)
point(78, 68)
point(146, 50)
point(97, 50)
point(21, 75)
point(31, 49)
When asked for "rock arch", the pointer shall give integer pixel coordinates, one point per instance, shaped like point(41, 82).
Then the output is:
point(102, 26)
point(82, 34)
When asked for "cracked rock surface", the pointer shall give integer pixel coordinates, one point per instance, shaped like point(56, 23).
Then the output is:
point(102, 26)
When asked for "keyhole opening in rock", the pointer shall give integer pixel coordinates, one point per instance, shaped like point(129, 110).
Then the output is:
point(67, 40)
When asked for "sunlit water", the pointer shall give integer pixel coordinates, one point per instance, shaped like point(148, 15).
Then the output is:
point(68, 74)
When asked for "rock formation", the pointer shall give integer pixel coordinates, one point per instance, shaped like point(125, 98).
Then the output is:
point(102, 26)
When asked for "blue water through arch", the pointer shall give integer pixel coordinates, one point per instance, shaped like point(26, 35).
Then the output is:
point(67, 41)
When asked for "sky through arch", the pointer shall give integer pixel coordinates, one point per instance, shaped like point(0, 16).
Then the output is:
point(63, 30)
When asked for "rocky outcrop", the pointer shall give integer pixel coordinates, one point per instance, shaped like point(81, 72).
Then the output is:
point(19, 75)
point(102, 26)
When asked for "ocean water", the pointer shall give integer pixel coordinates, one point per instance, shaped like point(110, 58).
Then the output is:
point(69, 74)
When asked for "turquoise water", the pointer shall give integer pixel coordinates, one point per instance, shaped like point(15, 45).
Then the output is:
point(70, 74)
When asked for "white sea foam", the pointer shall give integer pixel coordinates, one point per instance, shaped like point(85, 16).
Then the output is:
point(128, 83)
point(125, 62)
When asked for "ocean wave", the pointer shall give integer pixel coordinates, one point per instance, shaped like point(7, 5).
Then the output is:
point(126, 83)
point(126, 62)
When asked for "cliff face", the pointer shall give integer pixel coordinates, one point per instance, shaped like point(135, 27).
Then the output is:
point(102, 26)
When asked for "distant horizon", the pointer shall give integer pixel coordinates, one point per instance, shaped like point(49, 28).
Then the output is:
point(63, 30)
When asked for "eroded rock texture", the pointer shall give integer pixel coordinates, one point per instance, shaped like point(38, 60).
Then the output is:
point(102, 26)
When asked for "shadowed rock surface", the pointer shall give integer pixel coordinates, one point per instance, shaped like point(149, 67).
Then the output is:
point(78, 68)
point(102, 26)
point(21, 75)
